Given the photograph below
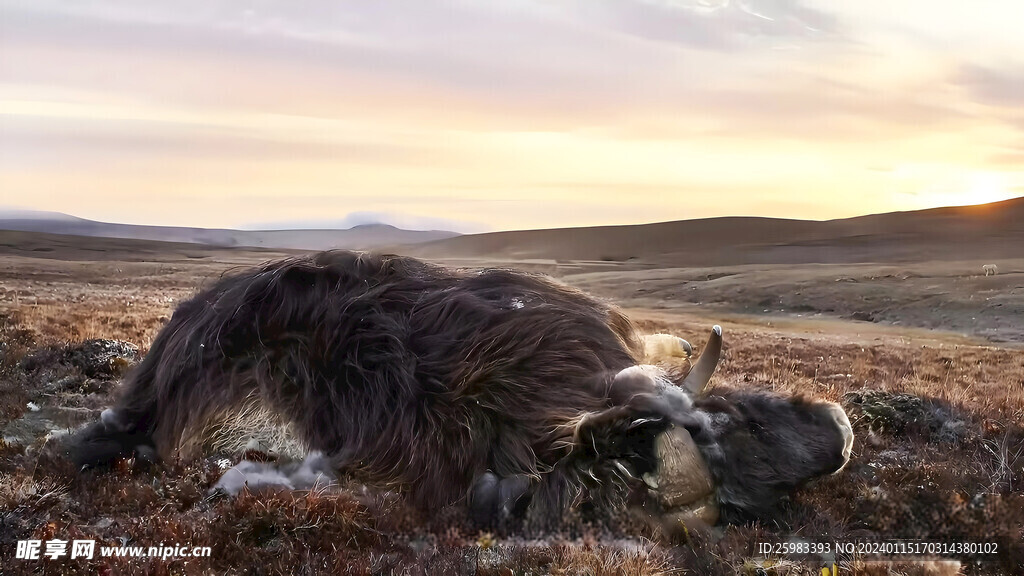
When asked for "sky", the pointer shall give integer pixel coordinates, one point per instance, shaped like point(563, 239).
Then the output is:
point(500, 114)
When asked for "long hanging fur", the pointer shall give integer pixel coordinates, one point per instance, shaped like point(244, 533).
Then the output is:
point(405, 373)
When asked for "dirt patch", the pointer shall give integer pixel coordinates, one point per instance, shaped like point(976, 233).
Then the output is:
point(948, 296)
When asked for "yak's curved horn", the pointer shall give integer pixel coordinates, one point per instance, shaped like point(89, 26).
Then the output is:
point(700, 375)
point(683, 483)
point(686, 347)
point(659, 347)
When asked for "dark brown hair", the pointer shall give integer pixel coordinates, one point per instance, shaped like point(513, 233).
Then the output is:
point(489, 385)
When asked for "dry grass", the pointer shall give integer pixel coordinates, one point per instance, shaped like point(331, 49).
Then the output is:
point(953, 473)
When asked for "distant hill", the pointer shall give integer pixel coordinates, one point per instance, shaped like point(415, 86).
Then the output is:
point(983, 232)
point(987, 231)
point(365, 237)
point(90, 248)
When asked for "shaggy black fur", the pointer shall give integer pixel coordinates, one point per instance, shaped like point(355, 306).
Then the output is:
point(494, 386)
point(408, 374)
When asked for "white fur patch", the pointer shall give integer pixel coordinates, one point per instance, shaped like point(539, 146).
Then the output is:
point(648, 371)
point(660, 381)
point(313, 472)
point(843, 422)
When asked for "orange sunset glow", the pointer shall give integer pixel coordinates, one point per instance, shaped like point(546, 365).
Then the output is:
point(477, 116)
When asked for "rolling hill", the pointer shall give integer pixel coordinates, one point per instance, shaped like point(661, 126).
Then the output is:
point(987, 231)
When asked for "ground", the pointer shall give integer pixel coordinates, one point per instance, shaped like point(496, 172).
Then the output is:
point(925, 358)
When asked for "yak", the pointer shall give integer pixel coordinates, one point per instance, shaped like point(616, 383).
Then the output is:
point(499, 389)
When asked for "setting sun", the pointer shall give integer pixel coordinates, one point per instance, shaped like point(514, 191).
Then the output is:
point(987, 187)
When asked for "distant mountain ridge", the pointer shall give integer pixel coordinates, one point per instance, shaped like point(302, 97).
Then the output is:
point(361, 237)
point(986, 231)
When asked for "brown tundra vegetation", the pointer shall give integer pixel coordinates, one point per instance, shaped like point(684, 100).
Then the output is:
point(939, 454)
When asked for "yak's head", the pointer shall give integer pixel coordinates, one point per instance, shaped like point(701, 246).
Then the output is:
point(742, 452)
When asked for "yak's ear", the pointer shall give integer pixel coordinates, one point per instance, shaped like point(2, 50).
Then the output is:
point(697, 380)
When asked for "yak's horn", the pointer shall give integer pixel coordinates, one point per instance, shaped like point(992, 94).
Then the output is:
point(700, 375)
point(683, 483)
point(686, 347)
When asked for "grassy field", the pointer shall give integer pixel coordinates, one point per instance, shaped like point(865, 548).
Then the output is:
point(937, 405)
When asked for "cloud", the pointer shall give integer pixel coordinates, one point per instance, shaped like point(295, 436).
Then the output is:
point(641, 68)
point(721, 25)
point(575, 62)
point(66, 141)
point(513, 112)
point(1000, 90)
point(995, 87)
